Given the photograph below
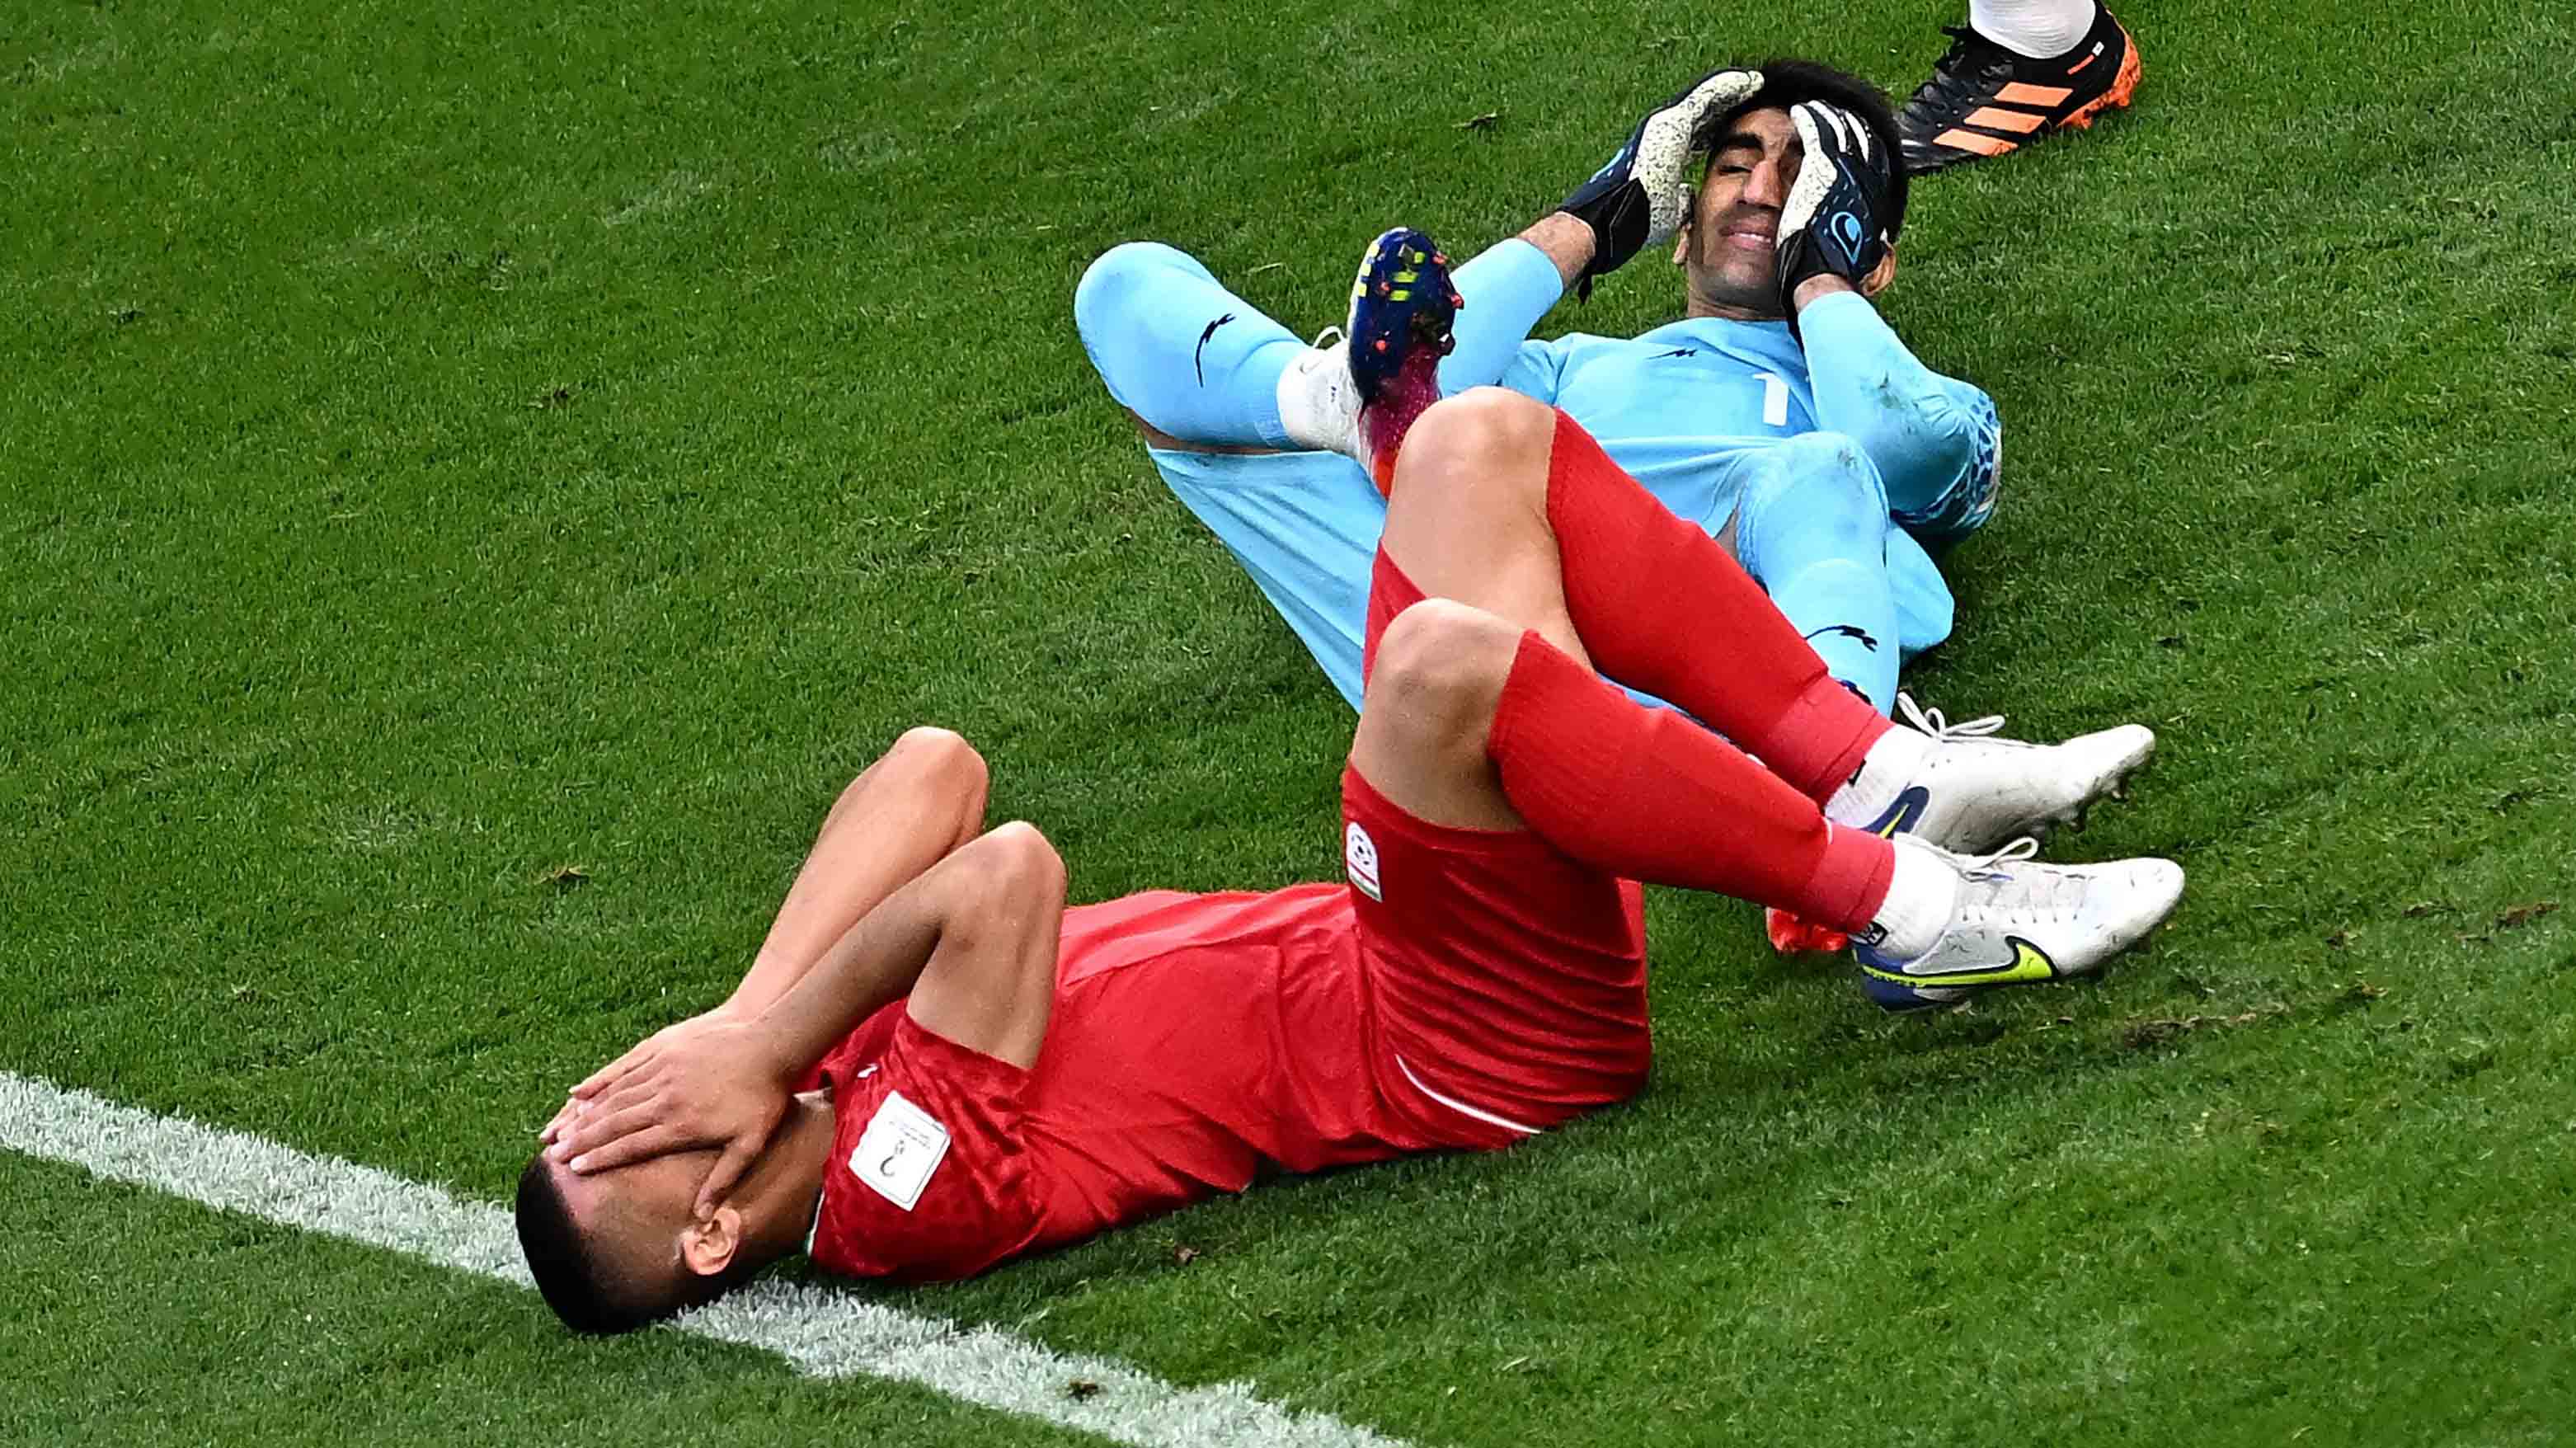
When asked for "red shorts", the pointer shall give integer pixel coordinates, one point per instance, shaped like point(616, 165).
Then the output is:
point(1507, 980)
point(1464, 989)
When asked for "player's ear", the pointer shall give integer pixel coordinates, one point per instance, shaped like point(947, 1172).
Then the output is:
point(1682, 233)
point(1879, 275)
point(708, 1247)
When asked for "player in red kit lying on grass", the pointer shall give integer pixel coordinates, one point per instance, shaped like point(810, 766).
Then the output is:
point(934, 1065)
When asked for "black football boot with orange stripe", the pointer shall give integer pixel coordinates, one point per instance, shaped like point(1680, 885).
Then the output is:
point(1985, 100)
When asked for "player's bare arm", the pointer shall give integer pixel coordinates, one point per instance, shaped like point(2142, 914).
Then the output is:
point(906, 811)
point(923, 798)
point(1567, 242)
point(969, 945)
point(933, 781)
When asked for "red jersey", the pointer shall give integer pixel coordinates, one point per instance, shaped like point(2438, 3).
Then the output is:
point(1465, 989)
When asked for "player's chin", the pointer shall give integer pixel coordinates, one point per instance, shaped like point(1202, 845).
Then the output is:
point(1745, 285)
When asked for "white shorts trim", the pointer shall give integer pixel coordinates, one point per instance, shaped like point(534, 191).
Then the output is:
point(1461, 1107)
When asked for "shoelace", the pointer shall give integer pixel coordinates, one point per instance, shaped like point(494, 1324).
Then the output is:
point(1987, 866)
point(1326, 338)
point(2017, 893)
point(1942, 730)
point(1954, 82)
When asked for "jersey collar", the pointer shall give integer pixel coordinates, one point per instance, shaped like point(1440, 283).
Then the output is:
point(1719, 331)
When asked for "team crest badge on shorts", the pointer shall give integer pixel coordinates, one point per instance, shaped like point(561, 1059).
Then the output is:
point(1359, 858)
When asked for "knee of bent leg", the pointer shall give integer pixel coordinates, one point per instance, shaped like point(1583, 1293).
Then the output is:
point(944, 753)
point(1824, 481)
point(1442, 663)
point(1834, 466)
point(1017, 860)
point(1109, 285)
point(924, 757)
point(1479, 426)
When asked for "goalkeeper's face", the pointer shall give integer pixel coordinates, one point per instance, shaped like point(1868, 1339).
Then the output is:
point(1727, 246)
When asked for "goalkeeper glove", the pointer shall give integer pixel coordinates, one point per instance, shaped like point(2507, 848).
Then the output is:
point(1830, 225)
point(1637, 200)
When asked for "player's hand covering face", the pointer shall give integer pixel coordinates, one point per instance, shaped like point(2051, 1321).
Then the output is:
point(1833, 223)
point(1639, 198)
point(709, 1082)
point(578, 1101)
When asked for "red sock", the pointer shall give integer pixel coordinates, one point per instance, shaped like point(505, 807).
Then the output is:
point(1661, 607)
point(1645, 794)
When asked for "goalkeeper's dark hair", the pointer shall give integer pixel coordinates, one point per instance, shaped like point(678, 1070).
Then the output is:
point(1787, 82)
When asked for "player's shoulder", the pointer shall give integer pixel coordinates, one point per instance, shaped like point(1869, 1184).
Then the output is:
point(1578, 353)
point(1575, 345)
point(1697, 342)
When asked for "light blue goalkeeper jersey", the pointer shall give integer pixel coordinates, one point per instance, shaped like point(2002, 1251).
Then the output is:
point(1675, 407)
point(1678, 406)
point(1696, 410)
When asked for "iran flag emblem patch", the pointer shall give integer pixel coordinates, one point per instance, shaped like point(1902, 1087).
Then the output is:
point(1359, 860)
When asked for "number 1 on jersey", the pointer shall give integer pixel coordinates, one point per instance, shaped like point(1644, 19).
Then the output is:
point(1775, 399)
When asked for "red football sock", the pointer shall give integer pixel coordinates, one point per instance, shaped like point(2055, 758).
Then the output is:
point(1661, 607)
point(1647, 795)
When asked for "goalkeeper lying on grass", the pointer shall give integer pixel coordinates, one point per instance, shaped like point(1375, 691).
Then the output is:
point(1781, 416)
point(933, 1065)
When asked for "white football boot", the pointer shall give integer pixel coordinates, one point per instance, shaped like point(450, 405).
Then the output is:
point(2013, 920)
point(1969, 790)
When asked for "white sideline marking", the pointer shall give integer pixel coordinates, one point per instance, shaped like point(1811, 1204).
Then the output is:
point(825, 1333)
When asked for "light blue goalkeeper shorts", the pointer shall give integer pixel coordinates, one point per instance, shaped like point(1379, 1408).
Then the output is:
point(1305, 525)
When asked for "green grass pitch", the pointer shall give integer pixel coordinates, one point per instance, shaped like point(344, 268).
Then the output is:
point(445, 447)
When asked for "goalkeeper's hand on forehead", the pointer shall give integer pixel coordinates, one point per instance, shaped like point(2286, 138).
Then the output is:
point(1639, 199)
point(1835, 220)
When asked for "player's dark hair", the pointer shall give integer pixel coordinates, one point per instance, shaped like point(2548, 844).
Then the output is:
point(584, 1290)
point(1787, 82)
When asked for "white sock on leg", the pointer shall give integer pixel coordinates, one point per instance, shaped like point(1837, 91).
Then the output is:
point(1319, 405)
point(1922, 895)
point(2036, 28)
point(1896, 758)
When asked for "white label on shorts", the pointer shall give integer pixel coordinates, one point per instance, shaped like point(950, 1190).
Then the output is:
point(1359, 857)
point(899, 1150)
